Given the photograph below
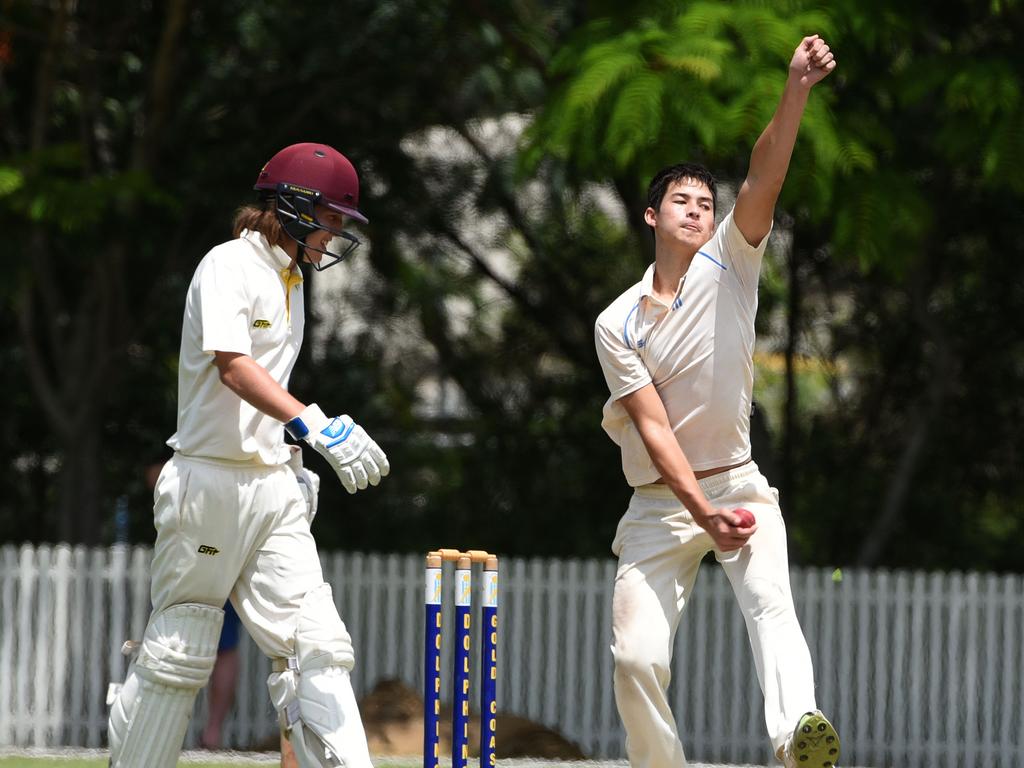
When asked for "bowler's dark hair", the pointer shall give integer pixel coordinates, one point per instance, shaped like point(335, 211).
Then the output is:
point(666, 177)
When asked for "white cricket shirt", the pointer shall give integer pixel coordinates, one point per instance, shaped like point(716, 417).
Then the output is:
point(238, 301)
point(698, 352)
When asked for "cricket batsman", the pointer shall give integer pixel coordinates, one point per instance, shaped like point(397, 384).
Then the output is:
point(232, 508)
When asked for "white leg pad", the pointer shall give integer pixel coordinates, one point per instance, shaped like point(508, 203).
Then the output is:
point(149, 717)
point(313, 694)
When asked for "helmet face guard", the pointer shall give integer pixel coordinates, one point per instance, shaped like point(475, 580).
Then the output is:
point(301, 177)
point(296, 210)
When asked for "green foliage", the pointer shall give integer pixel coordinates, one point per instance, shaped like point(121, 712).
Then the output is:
point(11, 180)
point(689, 83)
point(52, 194)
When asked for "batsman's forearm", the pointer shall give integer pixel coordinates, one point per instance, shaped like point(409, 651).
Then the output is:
point(251, 382)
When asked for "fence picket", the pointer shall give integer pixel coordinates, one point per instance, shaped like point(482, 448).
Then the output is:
point(8, 660)
point(535, 687)
point(62, 575)
point(572, 655)
point(511, 629)
point(554, 631)
point(1016, 733)
point(591, 640)
point(990, 682)
point(100, 639)
point(77, 647)
point(970, 664)
point(690, 673)
point(1012, 686)
point(27, 581)
point(611, 738)
point(885, 727)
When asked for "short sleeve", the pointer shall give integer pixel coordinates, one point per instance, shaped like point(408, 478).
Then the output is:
point(225, 307)
point(744, 258)
point(624, 370)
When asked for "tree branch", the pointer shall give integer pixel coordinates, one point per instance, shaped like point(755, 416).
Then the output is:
point(41, 383)
point(46, 76)
point(161, 85)
point(922, 416)
point(519, 220)
point(529, 308)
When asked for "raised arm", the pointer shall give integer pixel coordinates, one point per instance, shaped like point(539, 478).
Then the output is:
point(769, 162)
point(647, 411)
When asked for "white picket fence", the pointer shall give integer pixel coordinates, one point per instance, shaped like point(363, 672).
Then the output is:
point(917, 670)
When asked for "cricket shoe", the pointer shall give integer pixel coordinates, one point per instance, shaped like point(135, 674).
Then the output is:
point(813, 744)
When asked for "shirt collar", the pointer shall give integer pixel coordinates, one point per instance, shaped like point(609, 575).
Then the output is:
point(647, 282)
point(272, 255)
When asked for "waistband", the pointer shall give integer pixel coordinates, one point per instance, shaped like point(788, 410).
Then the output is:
point(709, 485)
point(228, 463)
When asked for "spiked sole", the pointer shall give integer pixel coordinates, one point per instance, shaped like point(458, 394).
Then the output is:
point(815, 743)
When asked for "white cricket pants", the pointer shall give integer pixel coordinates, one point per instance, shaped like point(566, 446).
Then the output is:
point(237, 531)
point(660, 548)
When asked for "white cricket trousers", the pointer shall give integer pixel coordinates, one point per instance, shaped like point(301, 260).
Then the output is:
point(234, 530)
point(660, 548)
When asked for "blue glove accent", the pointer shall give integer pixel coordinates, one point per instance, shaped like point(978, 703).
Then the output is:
point(338, 429)
point(297, 428)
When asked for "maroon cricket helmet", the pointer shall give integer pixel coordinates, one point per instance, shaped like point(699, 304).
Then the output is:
point(319, 171)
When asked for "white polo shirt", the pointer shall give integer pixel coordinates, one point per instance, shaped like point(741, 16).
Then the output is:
point(238, 301)
point(698, 352)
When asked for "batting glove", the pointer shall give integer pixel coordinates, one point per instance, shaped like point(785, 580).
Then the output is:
point(346, 446)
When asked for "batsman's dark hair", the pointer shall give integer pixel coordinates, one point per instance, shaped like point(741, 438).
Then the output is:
point(666, 177)
point(260, 218)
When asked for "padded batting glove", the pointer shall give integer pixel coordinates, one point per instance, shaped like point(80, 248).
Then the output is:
point(346, 446)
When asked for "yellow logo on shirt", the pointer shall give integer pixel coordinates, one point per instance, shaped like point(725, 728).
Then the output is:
point(261, 324)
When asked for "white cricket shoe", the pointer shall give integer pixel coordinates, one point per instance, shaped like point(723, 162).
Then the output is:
point(813, 744)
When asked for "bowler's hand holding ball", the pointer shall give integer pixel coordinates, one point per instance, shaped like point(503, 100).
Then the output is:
point(746, 518)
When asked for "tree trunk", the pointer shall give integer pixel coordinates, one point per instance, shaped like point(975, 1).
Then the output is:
point(939, 371)
point(78, 494)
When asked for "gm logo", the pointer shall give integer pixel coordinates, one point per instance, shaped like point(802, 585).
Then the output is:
point(261, 324)
point(206, 549)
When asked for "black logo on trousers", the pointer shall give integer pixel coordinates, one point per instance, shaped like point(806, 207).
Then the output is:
point(206, 549)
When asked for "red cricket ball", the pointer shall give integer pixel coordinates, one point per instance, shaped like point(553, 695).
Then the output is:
point(746, 517)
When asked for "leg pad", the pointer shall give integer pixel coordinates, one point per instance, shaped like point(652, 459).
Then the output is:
point(150, 713)
point(312, 691)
